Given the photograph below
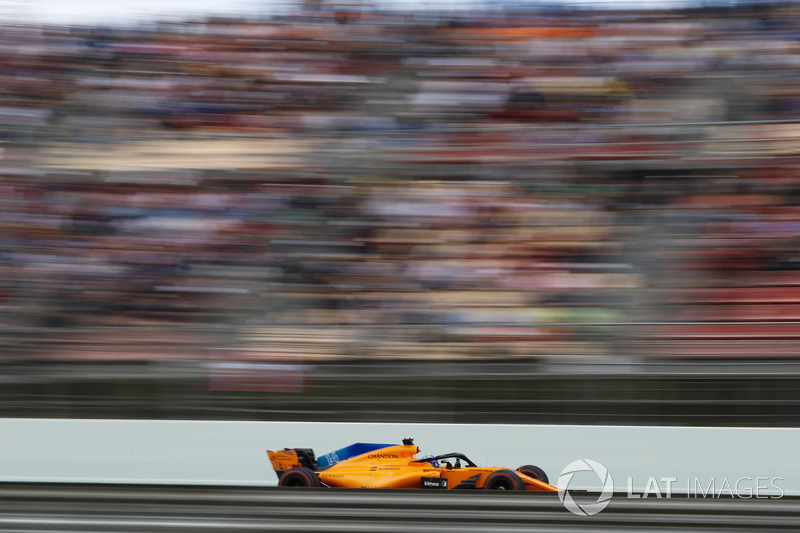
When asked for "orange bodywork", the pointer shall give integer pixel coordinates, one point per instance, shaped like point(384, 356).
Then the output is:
point(394, 467)
point(283, 460)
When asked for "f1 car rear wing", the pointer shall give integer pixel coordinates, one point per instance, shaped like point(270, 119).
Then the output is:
point(283, 460)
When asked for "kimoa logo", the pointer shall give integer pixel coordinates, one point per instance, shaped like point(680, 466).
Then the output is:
point(585, 465)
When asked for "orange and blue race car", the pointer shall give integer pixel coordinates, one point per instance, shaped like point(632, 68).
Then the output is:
point(396, 466)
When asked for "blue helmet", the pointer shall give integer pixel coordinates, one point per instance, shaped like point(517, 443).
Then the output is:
point(433, 463)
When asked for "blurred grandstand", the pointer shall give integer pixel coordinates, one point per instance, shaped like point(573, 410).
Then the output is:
point(525, 215)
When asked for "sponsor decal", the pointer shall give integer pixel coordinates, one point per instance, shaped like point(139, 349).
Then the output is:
point(433, 483)
point(383, 456)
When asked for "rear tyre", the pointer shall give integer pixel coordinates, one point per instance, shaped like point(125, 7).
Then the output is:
point(503, 480)
point(299, 477)
point(533, 471)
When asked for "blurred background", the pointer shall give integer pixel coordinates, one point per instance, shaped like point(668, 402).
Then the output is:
point(352, 211)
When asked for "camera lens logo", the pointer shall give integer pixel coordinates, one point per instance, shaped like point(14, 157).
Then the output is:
point(585, 465)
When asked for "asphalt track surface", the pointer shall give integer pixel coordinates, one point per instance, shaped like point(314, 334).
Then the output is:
point(48, 508)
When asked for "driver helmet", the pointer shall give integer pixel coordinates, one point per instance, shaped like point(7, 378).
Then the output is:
point(433, 463)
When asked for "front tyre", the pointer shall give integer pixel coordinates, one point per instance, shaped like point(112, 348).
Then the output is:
point(299, 477)
point(503, 480)
point(535, 472)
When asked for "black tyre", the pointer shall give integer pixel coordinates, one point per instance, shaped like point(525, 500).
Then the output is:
point(533, 471)
point(503, 480)
point(299, 477)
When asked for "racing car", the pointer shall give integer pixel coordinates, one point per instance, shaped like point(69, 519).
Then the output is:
point(396, 466)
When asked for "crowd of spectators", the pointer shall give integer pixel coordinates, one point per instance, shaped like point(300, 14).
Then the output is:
point(482, 184)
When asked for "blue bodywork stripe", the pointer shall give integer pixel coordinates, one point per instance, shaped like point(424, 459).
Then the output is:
point(330, 459)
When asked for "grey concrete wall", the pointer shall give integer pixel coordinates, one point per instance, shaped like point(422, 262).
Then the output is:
point(232, 453)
